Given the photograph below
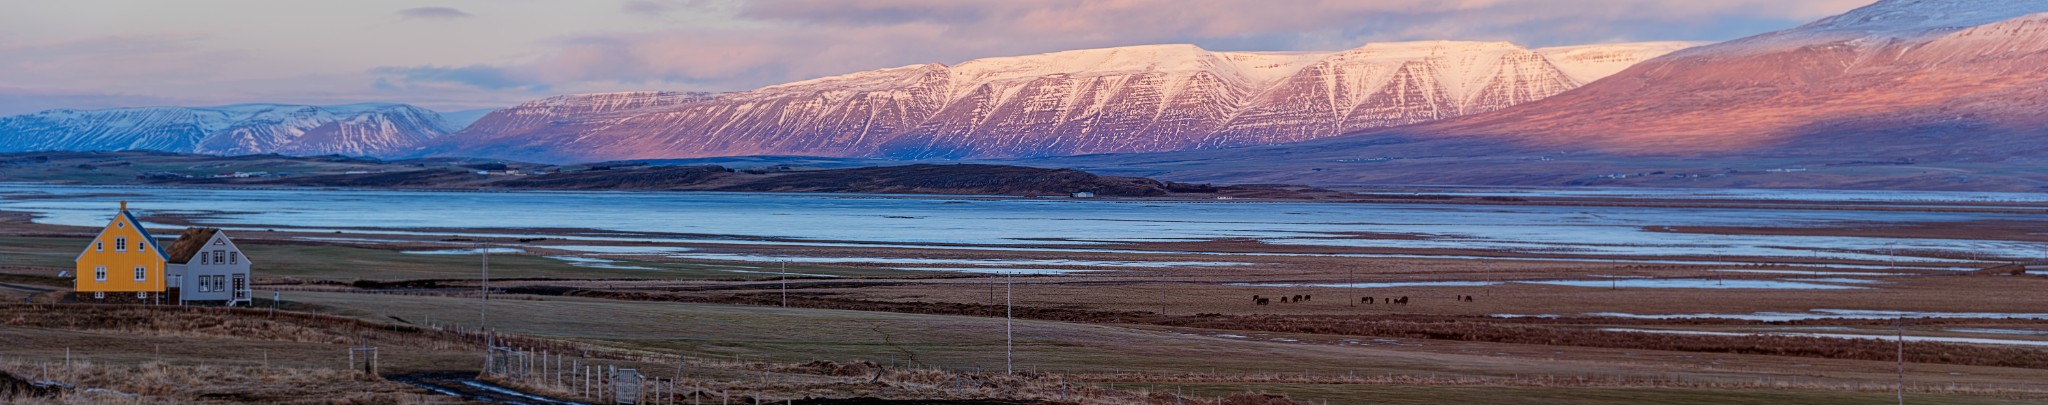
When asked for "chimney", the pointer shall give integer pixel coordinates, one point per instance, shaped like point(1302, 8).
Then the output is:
point(124, 205)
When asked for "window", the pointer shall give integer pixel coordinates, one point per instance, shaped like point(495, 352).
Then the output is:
point(99, 295)
point(220, 283)
point(220, 256)
point(141, 273)
point(99, 246)
point(99, 273)
point(234, 257)
point(205, 283)
point(120, 244)
point(142, 295)
point(202, 258)
point(218, 242)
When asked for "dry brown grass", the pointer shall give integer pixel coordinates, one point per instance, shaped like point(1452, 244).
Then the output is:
point(151, 383)
point(1514, 331)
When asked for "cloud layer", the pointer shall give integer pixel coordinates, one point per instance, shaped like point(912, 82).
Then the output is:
point(434, 13)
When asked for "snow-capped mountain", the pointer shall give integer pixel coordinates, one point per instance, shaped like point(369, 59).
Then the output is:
point(1128, 99)
point(1920, 79)
point(1942, 94)
point(241, 129)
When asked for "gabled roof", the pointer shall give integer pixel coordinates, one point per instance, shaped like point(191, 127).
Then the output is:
point(189, 243)
point(145, 233)
point(139, 229)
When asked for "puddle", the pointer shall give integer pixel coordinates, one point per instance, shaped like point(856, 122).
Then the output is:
point(597, 263)
point(470, 251)
point(1828, 314)
point(1381, 285)
point(990, 270)
point(1817, 273)
point(1838, 280)
point(1935, 339)
point(912, 260)
point(354, 240)
point(1606, 283)
point(780, 273)
point(1695, 284)
point(620, 250)
point(2001, 331)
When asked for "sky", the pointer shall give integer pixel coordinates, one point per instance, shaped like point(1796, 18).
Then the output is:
point(468, 54)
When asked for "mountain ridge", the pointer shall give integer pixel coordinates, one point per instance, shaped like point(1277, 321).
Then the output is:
point(1847, 101)
point(363, 129)
point(1109, 100)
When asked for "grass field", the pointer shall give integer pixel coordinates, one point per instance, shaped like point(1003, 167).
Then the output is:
point(799, 335)
point(1423, 394)
point(345, 263)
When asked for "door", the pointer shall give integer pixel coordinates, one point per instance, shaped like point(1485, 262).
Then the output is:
point(241, 287)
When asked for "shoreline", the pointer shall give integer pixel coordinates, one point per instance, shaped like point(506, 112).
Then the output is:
point(1350, 198)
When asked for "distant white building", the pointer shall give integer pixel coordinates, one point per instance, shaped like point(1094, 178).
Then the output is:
point(1084, 194)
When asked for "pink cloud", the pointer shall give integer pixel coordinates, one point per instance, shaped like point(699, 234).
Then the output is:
point(434, 13)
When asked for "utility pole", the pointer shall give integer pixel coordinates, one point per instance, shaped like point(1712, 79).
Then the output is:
point(484, 309)
point(1902, 360)
point(785, 284)
point(1009, 330)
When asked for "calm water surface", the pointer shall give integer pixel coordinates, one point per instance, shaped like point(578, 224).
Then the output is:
point(920, 220)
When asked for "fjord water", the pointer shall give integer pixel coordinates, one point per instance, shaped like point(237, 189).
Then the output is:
point(926, 220)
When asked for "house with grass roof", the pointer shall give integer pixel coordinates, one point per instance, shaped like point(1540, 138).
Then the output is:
point(205, 266)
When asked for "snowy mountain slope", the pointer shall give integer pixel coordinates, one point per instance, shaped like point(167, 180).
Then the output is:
point(1128, 99)
point(355, 129)
point(1898, 93)
point(1899, 66)
point(1586, 63)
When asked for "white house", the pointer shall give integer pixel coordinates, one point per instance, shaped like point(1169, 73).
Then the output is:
point(205, 266)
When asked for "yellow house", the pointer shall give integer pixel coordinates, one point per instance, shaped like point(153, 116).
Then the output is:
point(123, 261)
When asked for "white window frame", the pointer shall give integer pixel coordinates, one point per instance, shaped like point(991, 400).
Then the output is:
point(220, 256)
point(99, 246)
point(203, 258)
point(141, 273)
point(234, 257)
point(142, 295)
point(121, 244)
point(99, 273)
point(99, 295)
